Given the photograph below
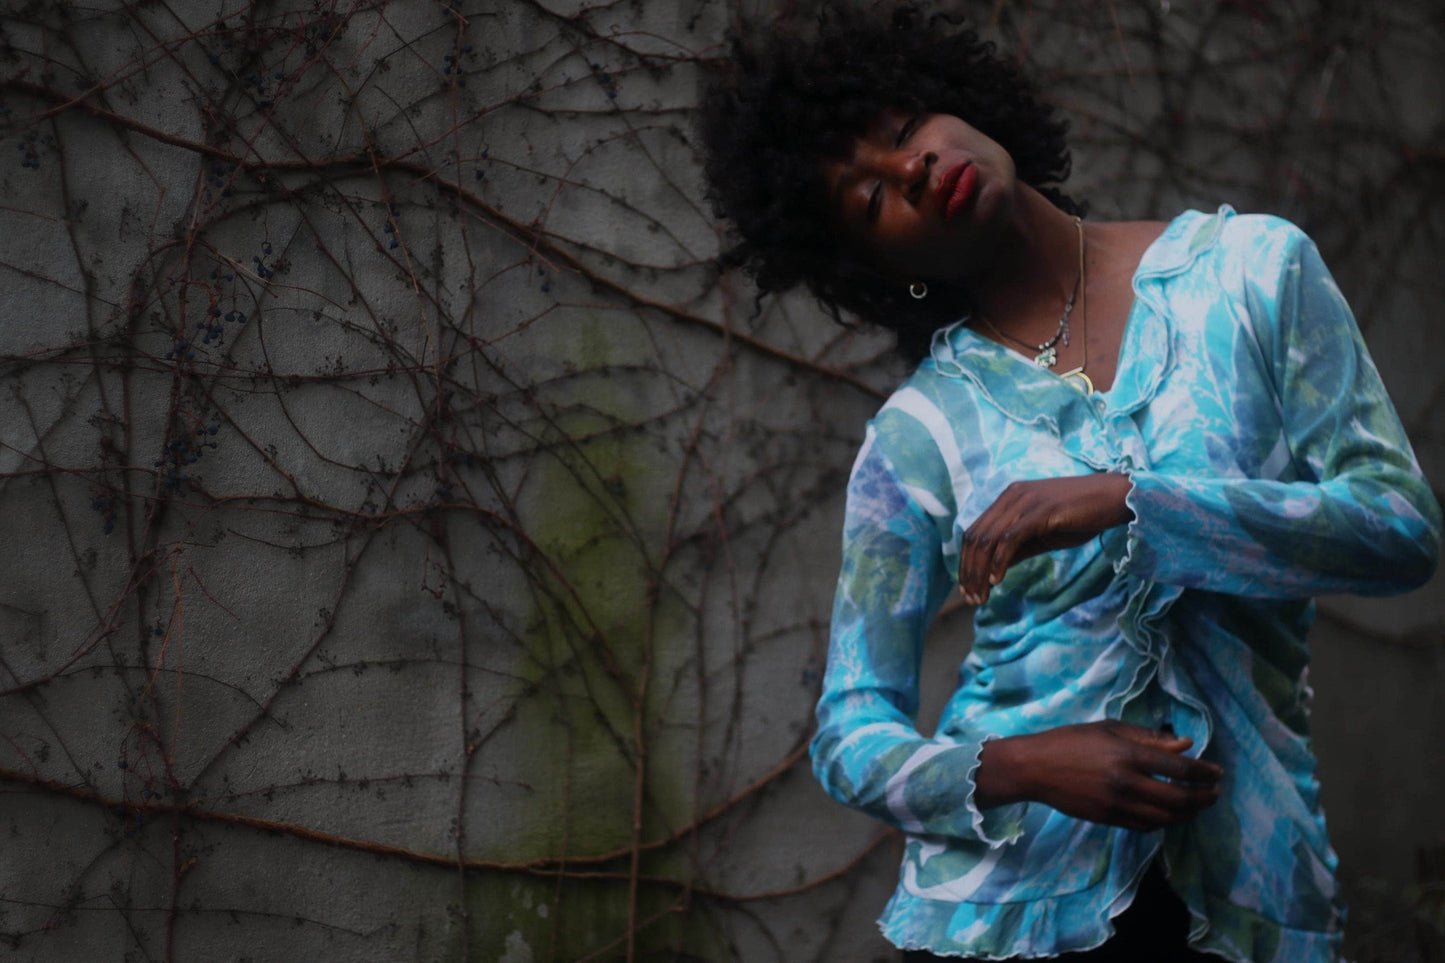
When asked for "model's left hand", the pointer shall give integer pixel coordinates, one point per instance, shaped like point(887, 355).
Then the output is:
point(1037, 516)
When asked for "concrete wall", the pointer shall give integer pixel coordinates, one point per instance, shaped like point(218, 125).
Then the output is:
point(414, 549)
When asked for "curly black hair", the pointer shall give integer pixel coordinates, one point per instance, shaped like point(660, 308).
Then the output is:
point(786, 103)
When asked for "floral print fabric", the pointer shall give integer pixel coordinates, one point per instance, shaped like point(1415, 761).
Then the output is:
point(1268, 466)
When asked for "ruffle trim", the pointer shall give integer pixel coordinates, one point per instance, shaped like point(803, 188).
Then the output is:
point(1129, 552)
point(1001, 825)
point(1040, 929)
point(1032, 929)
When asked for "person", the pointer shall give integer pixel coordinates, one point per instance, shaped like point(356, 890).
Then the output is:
point(1138, 449)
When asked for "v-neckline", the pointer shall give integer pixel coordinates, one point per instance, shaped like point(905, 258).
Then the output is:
point(1124, 331)
point(1032, 394)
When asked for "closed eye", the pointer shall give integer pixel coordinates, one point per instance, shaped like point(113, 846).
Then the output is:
point(906, 131)
point(875, 197)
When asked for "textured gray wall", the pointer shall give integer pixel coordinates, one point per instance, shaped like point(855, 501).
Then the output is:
point(414, 549)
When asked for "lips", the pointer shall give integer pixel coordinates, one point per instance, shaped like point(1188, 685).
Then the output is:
point(956, 187)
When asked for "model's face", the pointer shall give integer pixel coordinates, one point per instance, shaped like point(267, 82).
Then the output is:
point(921, 196)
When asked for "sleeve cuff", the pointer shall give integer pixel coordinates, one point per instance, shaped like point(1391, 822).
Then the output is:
point(1124, 545)
point(998, 825)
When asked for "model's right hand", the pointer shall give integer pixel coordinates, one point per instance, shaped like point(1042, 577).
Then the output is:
point(1105, 772)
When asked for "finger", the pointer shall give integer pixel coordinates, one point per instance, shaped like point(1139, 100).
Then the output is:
point(973, 553)
point(1004, 551)
point(967, 582)
point(1146, 812)
point(1185, 769)
point(1161, 738)
point(1023, 524)
point(1176, 798)
point(1175, 766)
point(973, 549)
point(1173, 746)
point(990, 536)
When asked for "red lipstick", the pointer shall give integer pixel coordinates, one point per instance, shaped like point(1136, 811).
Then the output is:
point(956, 187)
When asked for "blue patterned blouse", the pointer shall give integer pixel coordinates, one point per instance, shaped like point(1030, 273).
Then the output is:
point(1268, 466)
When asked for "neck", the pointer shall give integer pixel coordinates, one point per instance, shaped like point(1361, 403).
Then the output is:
point(1033, 267)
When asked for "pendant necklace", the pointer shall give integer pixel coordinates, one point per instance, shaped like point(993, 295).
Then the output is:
point(1048, 352)
point(1076, 377)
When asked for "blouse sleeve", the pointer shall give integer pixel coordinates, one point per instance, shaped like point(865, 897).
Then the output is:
point(1359, 518)
point(867, 752)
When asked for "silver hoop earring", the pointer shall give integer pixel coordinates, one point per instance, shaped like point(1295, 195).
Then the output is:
point(919, 290)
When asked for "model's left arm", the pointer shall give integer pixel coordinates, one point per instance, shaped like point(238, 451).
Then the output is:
point(1360, 518)
point(1356, 514)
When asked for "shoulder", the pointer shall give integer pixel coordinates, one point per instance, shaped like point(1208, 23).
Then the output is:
point(1272, 263)
point(909, 441)
point(1264, 240)
point(1226, 252)
point(905, 430)
point(909, 418)
point(1222, 233)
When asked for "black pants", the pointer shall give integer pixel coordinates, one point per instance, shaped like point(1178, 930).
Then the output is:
point(1152, 930)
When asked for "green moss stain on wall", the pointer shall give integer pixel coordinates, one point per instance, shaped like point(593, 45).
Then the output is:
point(596, 504)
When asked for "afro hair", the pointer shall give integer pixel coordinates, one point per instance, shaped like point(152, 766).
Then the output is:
point(787, 102)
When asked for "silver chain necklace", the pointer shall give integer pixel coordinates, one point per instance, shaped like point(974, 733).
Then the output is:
point(1048, 352)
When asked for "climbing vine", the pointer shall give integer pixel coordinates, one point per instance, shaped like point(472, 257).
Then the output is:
point(416, 547)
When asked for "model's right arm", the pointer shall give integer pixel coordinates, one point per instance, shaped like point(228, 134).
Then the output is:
point(868, 753)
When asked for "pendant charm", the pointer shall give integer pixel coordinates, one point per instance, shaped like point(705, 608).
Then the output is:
point(1047, 358)
point(1077, 379)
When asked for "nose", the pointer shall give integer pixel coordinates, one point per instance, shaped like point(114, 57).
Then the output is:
point(907, 169)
